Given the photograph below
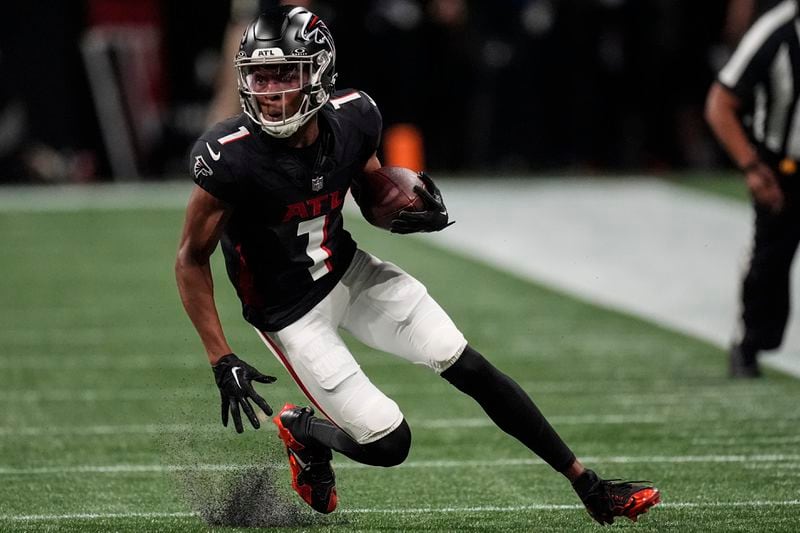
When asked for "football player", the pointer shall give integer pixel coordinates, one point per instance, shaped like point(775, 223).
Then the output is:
point(270, 185)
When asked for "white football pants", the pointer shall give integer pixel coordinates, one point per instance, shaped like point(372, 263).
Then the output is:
point(383, 307)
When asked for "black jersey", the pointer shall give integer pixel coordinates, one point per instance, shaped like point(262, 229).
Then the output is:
point(285, 245)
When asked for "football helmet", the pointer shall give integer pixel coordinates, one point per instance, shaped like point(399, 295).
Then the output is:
point(286, 68)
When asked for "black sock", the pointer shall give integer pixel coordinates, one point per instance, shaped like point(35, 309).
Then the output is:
point(509, 407)
point(390, 450)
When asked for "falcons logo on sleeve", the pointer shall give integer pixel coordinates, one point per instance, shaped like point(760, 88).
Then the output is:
point(201, 168)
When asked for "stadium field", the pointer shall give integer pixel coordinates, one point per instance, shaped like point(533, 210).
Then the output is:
point(110, 417)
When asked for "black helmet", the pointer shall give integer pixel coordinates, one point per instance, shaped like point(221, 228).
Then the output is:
point(294, 48)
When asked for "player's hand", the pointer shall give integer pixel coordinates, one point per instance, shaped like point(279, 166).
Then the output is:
point(233, 377)
point(764, 187)
point(434, 218)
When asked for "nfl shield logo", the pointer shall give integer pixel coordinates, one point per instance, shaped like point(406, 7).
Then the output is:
point(316, 183)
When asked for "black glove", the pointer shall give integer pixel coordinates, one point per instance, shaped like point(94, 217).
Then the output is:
point(434, 218)
point(233, 377)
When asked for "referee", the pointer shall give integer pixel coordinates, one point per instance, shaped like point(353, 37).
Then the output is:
point(753, 111)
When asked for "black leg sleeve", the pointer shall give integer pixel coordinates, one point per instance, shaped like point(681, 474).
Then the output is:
point(390, 450)
point(509, 407)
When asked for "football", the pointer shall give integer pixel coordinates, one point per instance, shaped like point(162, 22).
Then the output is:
point(384, 192)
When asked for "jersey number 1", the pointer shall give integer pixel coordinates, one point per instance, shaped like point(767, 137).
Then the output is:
point(316, 249)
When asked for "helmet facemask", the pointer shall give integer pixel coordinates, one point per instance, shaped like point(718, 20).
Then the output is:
point(290, 88)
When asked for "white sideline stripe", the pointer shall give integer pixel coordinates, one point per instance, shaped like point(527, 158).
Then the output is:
point(156, 468)
point(675, 265)
point(420, 510)
point(116, 196)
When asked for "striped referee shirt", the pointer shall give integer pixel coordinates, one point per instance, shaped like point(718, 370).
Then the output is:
point(765, 71)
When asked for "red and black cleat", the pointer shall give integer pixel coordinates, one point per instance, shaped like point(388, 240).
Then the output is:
point(606, 499)
point(312, 475)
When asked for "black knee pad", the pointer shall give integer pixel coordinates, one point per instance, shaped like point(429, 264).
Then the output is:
point(392, 449)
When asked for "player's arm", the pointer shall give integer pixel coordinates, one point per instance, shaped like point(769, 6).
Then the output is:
point(722, 114)
point(205, 217)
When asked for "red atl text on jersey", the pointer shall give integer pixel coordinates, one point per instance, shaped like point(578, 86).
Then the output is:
point(313, 207)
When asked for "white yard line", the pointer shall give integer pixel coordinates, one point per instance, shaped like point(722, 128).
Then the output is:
point(91, 516)
point(443, 464)
point(447, 423)
point(407, 511)
point(721, 397)
point(558, 507)
point(450, 423)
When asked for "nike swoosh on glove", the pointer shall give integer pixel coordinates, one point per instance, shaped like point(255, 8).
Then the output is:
point(234, 377)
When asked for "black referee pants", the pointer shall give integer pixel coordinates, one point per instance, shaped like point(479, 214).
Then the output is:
point(765, 288)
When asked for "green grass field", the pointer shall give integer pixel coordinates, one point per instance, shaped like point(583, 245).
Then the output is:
point(110, 413)
point(722, 184)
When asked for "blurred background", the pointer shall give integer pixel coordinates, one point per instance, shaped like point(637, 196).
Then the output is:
point(110, 90)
